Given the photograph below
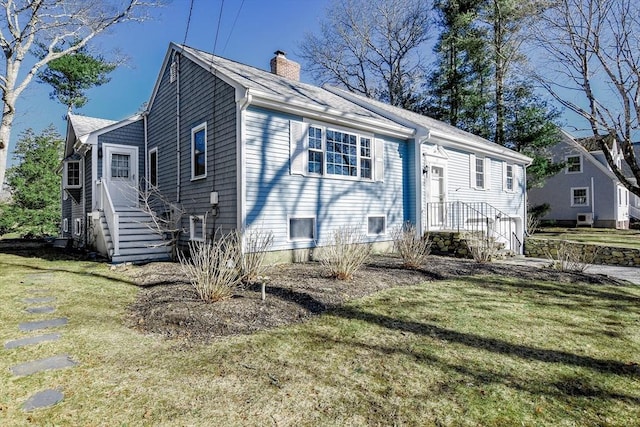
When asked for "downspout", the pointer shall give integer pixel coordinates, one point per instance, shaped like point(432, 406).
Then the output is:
point(176, 58)
point(422, 136)
point(242, 105)
point(146, 151)
point(593, 201)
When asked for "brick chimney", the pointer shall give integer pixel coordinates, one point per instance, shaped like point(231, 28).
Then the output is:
point(283, 67)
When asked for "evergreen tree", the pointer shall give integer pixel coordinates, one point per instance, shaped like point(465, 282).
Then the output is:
point(34, 208)
point(73, 74)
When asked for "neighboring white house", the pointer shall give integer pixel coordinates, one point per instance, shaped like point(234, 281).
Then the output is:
point(237, 147)
point(586, 192)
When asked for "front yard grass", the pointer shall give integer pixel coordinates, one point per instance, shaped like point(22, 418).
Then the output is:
point(481, 350)
point(598, 236)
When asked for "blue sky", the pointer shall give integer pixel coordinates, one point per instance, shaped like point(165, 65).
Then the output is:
point(262, 27)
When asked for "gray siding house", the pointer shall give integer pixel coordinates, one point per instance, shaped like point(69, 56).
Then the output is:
point(586, 192)
point(235, 147)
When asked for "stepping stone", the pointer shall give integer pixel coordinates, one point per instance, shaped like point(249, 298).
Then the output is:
point(55, 362)
point(31, 340)
point(39, 300)
point(42, 324)
point(42, 399)
point(39, 291)
point(41, 310)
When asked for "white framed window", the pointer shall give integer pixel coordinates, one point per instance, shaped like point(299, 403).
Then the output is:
point(479, 172)
point(508, 177)
point(77, 227)
point(580, 196)
point(302, 228)
point(153, 167)
point(197, 228)
point(65, 225)
point(574, 164)
point(199, 151)
point(376, 225)
point(72, 174)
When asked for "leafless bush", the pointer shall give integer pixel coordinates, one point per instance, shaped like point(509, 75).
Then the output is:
point(212, 267)
point(346, 252)
point(412, 248)
point(567, 256)
point(256, 243)
point(483, 248)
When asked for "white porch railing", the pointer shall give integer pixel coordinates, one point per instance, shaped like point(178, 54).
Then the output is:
point(634, 212)
point(112, 217)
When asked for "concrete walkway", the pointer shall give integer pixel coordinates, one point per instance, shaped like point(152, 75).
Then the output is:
point(630, 274)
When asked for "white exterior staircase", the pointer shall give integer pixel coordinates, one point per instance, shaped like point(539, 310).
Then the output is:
point(137, 240)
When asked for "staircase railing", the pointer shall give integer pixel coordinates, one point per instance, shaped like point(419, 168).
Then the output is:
point(634, 212)
point(112, 217)
point(472, 217)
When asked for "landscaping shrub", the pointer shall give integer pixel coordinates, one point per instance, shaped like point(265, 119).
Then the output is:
point(569, 256)
point(212, 267)
point(256, 244)
point(483, 248)
point(346, 252)
point(412, 248)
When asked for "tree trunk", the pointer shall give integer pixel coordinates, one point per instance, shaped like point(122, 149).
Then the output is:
point(500, 71)
point(5, 136)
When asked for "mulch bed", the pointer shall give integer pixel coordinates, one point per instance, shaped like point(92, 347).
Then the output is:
point(168, 304)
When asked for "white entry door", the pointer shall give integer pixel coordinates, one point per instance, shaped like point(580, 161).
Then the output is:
point(120, 170)
point(436, 196)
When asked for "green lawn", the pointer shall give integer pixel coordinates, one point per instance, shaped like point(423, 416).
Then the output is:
point(599, 236)
point(489, 351)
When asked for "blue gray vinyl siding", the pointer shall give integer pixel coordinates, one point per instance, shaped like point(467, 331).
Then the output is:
point(87, 182)
point(274, 195)
point(204, 98)
point(66, 213)
point(131, 135)
point(557, 189)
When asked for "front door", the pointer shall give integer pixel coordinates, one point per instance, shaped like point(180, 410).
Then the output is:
point(120, 170)
point(436, 196)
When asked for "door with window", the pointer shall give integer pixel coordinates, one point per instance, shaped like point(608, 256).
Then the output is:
point(120, 171)
point(436, 196)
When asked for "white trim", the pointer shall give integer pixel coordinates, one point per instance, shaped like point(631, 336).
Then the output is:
point(77, 227)
point(195, 130)
point(581, 163)
point(65, 225)
point(241, 172)
point(572, 194)
point(505, 167)
point(108, 149)
point(302, 239)
point(192, 228)
point(149, 153)
point(486, 172)
point(384, 219)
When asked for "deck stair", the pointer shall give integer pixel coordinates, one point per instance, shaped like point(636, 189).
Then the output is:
point(139, 242)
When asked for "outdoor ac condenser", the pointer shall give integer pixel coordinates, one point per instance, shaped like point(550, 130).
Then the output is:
point(585, 219)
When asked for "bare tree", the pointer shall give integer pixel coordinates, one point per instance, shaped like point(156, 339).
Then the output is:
point(593, 69)
point(54, 28)
point(372, 47)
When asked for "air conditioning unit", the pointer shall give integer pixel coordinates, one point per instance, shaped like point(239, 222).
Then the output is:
point(585, 219)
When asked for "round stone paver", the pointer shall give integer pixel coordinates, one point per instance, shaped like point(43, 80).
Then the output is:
point(43, 399)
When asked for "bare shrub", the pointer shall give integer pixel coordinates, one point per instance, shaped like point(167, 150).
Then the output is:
point(212, 267)
point(256, 243)
point(569, 256)
point(412, 248)
point(346, 252)
point(482, 246)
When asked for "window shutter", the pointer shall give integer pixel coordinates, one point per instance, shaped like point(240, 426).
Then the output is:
point(379, 160)
point(504, 176)
point(298, 147)
point(472, 170)
point(487, 173)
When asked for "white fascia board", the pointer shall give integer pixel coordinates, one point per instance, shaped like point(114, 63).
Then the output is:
point(156, 86)
point(587, 155)
point(330, 115)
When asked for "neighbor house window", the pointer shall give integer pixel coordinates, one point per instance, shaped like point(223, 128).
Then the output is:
point(153, 167)
point(574, 164)
point(77, 227)
point(508, 177)
point(376, 225)
point(339, 153)
point(302, 228)
point(72, 175)
point(197, 228)
point(580, 196)
point(65, 225)
point(199, 151)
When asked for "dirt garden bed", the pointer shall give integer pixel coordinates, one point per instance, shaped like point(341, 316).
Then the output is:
point(169, 306)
